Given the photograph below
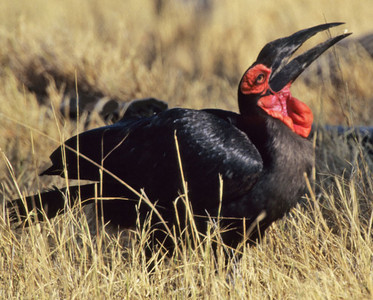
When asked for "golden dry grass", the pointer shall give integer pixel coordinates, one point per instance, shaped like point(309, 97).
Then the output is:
point(124, 49)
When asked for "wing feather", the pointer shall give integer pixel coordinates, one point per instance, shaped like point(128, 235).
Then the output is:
point(142, 152)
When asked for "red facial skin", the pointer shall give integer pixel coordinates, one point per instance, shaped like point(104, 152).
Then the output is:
point(280, 105)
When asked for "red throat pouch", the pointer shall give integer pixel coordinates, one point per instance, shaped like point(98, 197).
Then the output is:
point(293, 113)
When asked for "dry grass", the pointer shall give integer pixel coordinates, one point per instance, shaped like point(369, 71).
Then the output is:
point(124, 49)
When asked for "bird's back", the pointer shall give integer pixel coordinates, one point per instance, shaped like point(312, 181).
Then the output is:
point(142, 152)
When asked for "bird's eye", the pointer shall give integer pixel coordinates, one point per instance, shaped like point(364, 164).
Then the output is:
point(260, 79)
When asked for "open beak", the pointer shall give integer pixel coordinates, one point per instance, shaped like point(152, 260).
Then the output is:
point(277, 53)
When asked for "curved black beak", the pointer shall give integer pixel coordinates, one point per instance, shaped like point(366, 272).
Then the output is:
point(276, 54)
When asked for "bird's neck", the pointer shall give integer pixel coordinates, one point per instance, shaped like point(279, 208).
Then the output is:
point(256, 128)
point(280, 105)
point(270, 136)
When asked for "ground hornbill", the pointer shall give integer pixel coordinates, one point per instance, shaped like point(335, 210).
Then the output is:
point(260, 155)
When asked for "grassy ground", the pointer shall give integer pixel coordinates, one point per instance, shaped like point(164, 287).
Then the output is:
point(131, 49)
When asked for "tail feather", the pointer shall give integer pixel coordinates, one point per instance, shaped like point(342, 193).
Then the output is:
point(50, 203)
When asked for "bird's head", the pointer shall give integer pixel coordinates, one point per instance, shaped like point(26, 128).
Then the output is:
point(265, 86)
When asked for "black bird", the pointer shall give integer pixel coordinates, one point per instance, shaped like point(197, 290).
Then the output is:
point(261, 154)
